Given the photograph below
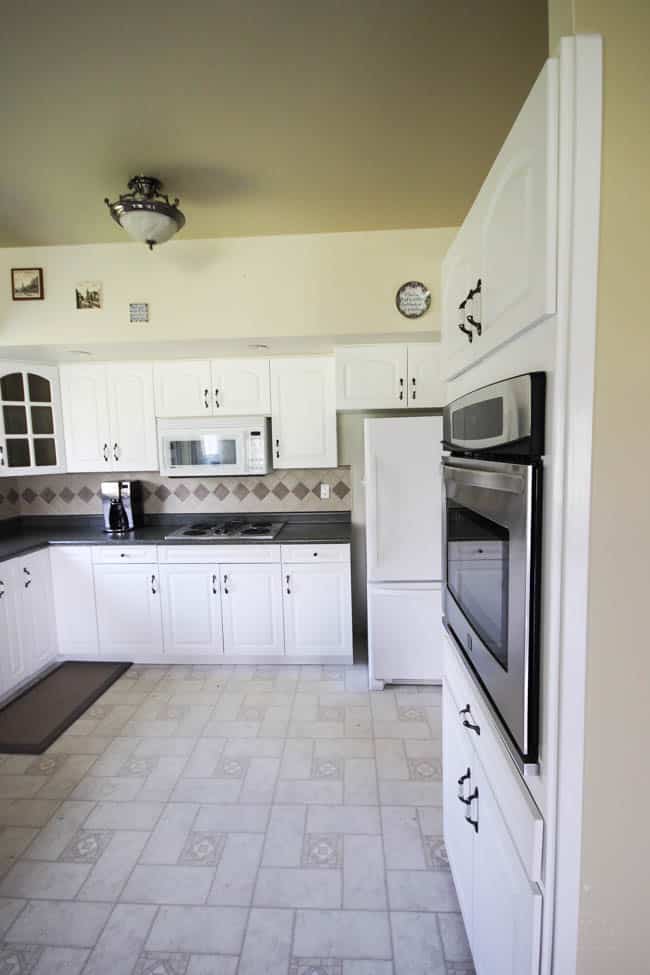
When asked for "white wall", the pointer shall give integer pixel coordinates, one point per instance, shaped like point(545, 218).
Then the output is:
point(231, 288)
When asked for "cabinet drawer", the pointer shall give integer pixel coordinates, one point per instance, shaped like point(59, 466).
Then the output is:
point(523, 818)
point(475, 551)
point(211, 553)
point(108, 554)
point(315, 553)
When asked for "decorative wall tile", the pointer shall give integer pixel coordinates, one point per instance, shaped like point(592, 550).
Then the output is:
point(9, 498)
point(79, 494)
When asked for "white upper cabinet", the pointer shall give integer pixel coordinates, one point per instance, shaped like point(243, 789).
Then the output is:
point(221, 387)
point(241, 387)
point(425, 387)
point(109, 420)
point(84, 396)
point(499, 276)
point(388, 377)
point(371, 377)
point(31, 440)
point(303, 411)
point(183, 388)
point(132, 418)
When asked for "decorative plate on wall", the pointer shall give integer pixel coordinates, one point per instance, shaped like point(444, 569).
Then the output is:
point(413, 299)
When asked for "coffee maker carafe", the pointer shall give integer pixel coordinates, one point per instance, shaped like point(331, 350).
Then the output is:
point(122, 506)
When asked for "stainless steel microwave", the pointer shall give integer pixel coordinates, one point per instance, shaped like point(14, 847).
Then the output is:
point(215, 446)
point(492, 481)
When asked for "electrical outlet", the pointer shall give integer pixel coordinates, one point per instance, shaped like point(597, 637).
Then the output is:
point(324, 492)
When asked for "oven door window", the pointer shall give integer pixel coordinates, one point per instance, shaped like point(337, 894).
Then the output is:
point(206, 450)
point(477, 575)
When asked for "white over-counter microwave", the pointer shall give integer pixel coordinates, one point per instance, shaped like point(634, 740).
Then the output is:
point(215, 446)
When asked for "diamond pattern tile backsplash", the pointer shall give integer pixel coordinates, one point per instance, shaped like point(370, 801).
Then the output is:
point(78, 494)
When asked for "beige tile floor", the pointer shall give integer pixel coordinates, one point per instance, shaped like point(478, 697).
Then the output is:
point(232, 821)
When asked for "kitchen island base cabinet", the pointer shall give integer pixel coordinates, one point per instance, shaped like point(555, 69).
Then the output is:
point(251, 602)
point(317, 608)
point(191, 609)
point(129, 617)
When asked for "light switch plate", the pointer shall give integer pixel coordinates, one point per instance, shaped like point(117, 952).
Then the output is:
point(324, 492)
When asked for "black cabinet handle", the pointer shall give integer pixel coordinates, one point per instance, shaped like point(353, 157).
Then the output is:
point(206, 398)
point(214, 585)
point(465, 710)
point(216, 399)
point(277, 449)
point(413, 391)
point(2, 591)
point(468, 816)
point(401, 387)
point(288, 587)
point(225, 583)
point(2, 456)
point(461, 781)
point(475, 323)
point(461, 325)
point(153, 585)
point(116, 451)
point(29, 581)
point(105, 452)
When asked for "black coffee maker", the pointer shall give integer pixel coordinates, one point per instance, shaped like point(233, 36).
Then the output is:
point(122, 506)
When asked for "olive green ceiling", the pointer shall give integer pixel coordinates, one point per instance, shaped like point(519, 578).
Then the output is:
point(264, 116)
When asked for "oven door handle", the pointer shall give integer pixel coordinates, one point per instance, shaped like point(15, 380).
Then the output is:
point(490, 480)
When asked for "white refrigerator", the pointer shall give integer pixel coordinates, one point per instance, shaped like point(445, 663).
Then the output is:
point(403, 549)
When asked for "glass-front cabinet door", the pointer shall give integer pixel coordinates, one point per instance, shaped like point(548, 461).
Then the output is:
point(30, 420)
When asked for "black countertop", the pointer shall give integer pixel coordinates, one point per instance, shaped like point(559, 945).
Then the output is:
point(19, 536)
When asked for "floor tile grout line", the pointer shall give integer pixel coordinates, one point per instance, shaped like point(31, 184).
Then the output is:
point(383, 843)
point(266, 831)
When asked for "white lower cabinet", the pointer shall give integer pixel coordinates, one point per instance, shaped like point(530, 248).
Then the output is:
point(74, 600)
point(36, 610)
point(252, 609)
point(129, 617)
point(13, 668)
point(150, 604)
point(457, 761)
point(191, 609)
point(494, 847)
point(26, 619)
point(317, 609)
point(506, 929)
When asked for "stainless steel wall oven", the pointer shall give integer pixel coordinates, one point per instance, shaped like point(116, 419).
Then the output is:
point(492, 517)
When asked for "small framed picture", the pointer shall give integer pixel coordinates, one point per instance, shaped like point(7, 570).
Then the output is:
point(27, 284)
point(138, 311)
point(88, 294)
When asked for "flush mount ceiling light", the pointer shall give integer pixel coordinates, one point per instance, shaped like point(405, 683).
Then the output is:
point(145, 213)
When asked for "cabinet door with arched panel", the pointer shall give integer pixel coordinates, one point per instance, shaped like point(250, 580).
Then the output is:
point(31, 439)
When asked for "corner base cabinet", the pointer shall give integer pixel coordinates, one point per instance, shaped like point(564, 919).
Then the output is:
point(494, 846)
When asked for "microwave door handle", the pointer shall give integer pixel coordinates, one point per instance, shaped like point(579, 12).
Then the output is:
point(489, 480)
